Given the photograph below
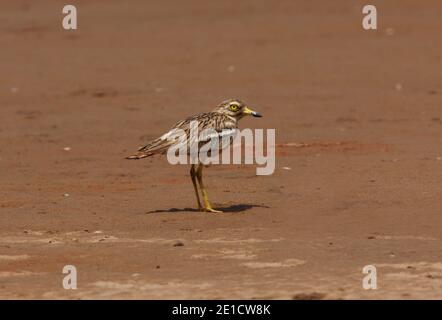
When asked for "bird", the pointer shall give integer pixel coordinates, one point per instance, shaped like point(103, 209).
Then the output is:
point(223, 118)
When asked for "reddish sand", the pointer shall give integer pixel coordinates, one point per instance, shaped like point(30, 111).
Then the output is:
point(358, 121)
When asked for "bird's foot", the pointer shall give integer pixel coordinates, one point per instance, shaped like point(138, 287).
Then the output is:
point(210, 209)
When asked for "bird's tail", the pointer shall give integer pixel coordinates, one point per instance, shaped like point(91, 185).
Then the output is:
point(156, 146)
point(139, 155)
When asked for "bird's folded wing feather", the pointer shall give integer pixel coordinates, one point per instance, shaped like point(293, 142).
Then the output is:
point(208, 125)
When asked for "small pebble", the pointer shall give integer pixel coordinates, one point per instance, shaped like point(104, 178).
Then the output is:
point(389, 31)
point(67, 149)
point(66, 195)
point(178, 244)
point(231, 68)
point(287, 168)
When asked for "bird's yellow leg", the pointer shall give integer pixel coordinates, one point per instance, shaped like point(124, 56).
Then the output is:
point(195, 187)
point(199, 175)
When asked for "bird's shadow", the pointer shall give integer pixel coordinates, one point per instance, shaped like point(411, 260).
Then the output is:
point(232, 208)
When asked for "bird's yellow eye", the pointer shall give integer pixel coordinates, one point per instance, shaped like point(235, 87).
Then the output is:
point(234, 107)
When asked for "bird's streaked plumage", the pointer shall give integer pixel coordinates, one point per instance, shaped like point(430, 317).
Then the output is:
point(224, 117)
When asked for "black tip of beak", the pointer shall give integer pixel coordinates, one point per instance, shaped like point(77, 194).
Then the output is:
point(257, 114)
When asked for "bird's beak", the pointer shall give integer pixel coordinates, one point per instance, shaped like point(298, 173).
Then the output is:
point(251, 112)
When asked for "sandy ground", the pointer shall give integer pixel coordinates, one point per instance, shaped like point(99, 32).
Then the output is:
point(358, 121)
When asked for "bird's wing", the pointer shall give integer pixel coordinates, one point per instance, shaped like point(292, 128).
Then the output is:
point(204, 125)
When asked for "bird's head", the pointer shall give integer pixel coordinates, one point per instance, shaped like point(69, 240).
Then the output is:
point(236, 109)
